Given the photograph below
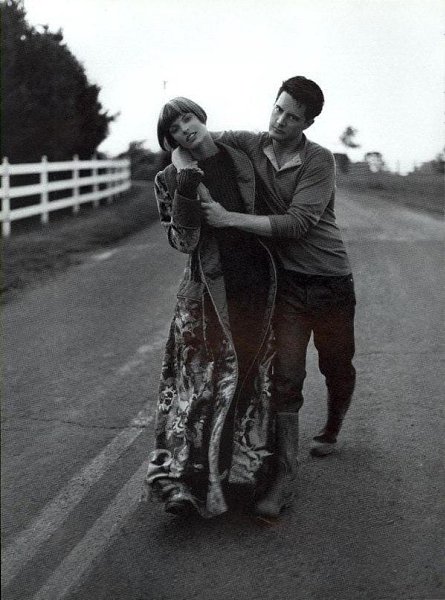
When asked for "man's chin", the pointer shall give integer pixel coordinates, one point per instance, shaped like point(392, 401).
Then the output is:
point(275, 135)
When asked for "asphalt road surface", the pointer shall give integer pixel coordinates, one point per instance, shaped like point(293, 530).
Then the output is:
point(81, 369)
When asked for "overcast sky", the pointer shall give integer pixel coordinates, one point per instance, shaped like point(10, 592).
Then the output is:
point(380, 64)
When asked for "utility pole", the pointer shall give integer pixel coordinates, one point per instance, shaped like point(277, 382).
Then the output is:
point(164, 88)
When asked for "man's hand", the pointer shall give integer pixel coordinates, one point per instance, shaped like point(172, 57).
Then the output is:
point(213, 213)
point(217, 216)
point(182, 159)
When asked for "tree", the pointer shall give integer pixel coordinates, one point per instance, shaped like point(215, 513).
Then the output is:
point(48, 107)
point(375, 161)
point(435, 166)
point(347, 137)
point(439, 162)
point(144, 163)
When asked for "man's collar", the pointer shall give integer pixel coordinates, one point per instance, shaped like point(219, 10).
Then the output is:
point(296, 161)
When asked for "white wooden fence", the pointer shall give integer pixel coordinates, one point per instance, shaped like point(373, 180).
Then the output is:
point(116, 179)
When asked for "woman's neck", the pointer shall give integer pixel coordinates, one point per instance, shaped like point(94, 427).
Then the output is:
point(205, 149)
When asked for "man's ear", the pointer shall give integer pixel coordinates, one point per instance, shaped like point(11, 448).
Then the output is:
point(308, 123)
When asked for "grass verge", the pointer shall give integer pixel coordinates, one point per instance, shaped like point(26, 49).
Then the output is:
point(421, 191)
point(34, 252)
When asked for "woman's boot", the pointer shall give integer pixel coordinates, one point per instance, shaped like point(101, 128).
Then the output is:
point(281, 491)
point(177, 498)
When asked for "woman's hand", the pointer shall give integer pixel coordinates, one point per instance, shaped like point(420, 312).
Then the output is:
point(213, 213)
point(182, 159)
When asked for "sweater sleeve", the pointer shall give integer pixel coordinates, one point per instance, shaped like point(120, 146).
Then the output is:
point(188, 181)
point(184, 238)
point(240, 140)
point(310, 199)
point(186, 206)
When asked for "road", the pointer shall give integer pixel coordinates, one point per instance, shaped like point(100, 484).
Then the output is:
point(80, 378)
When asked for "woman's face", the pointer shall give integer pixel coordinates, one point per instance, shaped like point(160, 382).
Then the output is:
point(188, 131)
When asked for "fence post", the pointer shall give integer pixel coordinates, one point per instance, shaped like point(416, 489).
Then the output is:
point(116, 170)
point(95, 173)
point(44, 193)
point(128, 174)
point(6, 201)
point(110, 185)
point(75, 179)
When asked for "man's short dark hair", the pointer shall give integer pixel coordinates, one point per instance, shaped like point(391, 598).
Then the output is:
point(304, 91)
point(170, 112)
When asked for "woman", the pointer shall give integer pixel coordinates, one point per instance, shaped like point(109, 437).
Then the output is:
point(214, 425)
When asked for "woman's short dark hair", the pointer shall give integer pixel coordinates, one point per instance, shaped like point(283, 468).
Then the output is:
point(306, 92)
point(170, 112)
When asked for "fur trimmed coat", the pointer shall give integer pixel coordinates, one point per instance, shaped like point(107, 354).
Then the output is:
point(199, 390)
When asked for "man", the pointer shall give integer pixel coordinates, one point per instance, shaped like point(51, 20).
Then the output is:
point(296, 193)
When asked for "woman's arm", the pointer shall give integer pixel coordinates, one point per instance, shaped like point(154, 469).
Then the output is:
point(179, 215)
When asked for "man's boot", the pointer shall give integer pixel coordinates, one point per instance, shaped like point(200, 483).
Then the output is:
point(325, 442)
point(281, 491)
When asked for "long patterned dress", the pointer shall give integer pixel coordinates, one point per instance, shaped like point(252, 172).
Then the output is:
point(214, 425)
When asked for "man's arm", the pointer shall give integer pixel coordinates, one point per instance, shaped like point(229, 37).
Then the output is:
point(309, 202)
point(216, 215)
point(240, 140)
point(310, 199)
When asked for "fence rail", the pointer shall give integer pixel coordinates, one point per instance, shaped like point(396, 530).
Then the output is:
point(112, 175)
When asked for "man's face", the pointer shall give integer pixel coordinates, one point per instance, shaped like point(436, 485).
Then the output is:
point(288, 119)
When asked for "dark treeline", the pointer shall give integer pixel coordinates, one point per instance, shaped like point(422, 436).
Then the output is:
point(145, 163)
point(48, 105)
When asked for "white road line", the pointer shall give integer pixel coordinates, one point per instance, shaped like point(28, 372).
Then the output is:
point(141, 354)
point(27, 544)
point(76, 565)
point(104, 255)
